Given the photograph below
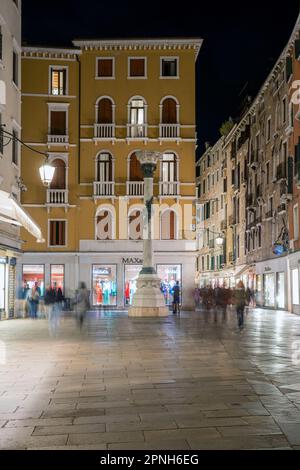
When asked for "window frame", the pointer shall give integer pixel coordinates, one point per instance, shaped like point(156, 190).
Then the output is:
point(15, 148)
point(129, 77)
point(15, 68)
point(59, 68)
point(113, 68)
point(163, 77)
point(66, 233)
point(296, 210)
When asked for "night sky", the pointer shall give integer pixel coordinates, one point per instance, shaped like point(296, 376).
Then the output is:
point(241, 42)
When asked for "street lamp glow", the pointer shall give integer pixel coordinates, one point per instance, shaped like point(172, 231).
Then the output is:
point(219, 241)
point(47, 173)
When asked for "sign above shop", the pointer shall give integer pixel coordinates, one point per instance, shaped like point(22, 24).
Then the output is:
point(3, 259)
point(132, 261)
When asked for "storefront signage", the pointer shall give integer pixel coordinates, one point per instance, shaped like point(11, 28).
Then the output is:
point(132, 261)
point(3, 259)
point(267, 268)
point(13, 261)
point(102, 271)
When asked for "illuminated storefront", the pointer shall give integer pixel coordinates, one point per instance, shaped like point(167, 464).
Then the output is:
point(269, 290)
point(169, 275)
point(57, 275)
point(131, 272)
point(104, 287)
point(34, 273)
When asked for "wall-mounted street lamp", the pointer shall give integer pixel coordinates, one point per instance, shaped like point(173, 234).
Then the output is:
point(46, 170)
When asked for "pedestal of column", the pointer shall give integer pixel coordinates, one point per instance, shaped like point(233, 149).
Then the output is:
point(148, 300)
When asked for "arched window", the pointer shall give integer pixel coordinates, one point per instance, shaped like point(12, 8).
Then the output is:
point(168, 225)
point(137, 118)
point(105, 111)
point(104, 167)
point(59, 178)
point(169, 111)
point(135, 221)
point(135, 170)
point(104, 229)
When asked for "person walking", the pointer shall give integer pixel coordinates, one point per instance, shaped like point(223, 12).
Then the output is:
point(240, 300)
point(34, 300)
point(176, 298)
point(49, 301)
point(82, 302)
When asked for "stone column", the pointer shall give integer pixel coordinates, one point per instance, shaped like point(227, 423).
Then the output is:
point(148, 300)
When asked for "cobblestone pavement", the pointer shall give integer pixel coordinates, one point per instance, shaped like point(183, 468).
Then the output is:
point(175, 383)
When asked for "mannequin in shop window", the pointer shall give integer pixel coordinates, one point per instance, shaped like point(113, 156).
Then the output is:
point(99, 294)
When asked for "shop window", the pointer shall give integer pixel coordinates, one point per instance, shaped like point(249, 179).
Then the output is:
point(2, 285)
point(280, 294)
point(295, 286)
point(269, 290)
point(57, 233)
point(105, 67)
point(104, 284)
point(169, 274)
point(130, 278)
point(34, 274)
point(57, 276)
point(296, 221)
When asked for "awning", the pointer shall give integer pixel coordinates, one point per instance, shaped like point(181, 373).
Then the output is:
point(13, 213)
point(239, 270)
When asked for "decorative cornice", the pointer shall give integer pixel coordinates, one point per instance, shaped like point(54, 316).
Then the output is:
point(50, 52)
point(140, 44)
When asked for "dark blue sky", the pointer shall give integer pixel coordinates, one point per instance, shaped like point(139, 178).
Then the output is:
point(241, 41)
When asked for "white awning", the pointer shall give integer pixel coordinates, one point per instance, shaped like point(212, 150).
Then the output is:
point(13, 213)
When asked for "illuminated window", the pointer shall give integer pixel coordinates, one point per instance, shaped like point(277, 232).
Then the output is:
point(104, 284)
point(58, 81)
point(57, 275)
point(295, 286)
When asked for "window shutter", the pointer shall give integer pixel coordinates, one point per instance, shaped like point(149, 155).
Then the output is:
point(59, 177)
point(58, 122)
point(137, 67)
point(288, 67)
point(105, 68)
point(212, 262)
point(135, 169)
point(105, 111)
point(297, 49)
point(169, 111)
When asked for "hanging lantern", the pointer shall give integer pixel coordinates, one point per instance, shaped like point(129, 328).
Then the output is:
point(219, 240)
point(47, 173)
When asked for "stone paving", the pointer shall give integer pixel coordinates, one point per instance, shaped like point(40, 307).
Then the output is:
point(183, 382)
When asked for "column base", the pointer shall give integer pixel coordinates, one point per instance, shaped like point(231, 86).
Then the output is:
point(148, 300)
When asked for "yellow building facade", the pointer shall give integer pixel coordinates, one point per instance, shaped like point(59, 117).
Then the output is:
point(91, 108)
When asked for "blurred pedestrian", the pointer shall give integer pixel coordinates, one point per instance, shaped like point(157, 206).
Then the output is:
point(176, 298)
point(240, 300)
point(82, 302)
point(34, 300)
point(197, 298)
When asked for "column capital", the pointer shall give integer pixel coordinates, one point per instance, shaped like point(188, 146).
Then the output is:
point(148, 161)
